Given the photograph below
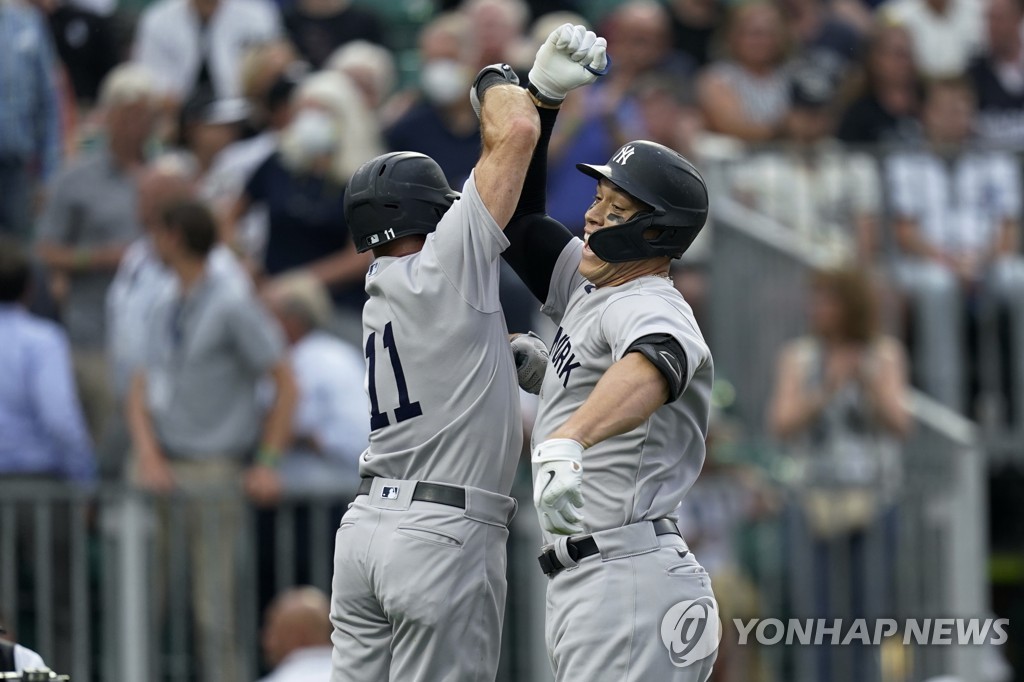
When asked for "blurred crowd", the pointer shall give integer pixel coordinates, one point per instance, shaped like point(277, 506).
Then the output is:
point(180, 297)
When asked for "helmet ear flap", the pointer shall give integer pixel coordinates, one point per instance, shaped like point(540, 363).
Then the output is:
point(624, 242)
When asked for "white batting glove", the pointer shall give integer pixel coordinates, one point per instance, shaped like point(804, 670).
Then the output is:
point(558, 486)
point(531, 357)
point(571, 57)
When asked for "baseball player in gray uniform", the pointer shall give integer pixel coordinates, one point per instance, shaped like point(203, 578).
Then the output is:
point(624, 408)
point(419, 581)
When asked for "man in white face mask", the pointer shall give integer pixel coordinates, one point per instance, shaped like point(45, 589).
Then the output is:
point(442, 124)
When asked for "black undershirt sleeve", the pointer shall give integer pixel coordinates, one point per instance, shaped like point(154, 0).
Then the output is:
point(665, 353)
point(536, 239)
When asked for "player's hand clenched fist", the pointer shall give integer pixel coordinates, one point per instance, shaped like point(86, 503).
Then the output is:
point(571, 57)
point(558, 486)
point(531, 357)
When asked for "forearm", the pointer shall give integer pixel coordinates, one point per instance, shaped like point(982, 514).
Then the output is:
point(80, 260)
point(625, 397)
point(890, 409)
point(792, 418)
point(885, 388)
point(278, 425)
point(140, 425)
point(509, 128)
point(536, 240)
point(342, 267)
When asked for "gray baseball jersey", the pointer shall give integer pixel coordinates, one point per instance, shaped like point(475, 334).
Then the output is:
point(444, 397)
point(642, 474)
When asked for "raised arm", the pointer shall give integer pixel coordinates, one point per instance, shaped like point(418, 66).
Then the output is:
point(570, 58)
point(509, 126)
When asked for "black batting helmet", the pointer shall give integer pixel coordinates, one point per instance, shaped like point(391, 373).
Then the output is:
point(672, 189)
point(395, 195)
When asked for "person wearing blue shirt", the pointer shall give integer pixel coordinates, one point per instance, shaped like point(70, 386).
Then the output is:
point(30, 132)
point(41, 420)
point(43, 441)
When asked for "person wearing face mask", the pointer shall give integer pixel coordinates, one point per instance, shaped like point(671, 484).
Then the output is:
point(442, 124)
point(302, 187)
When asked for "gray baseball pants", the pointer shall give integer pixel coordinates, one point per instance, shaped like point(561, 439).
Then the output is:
point(608, 618)
point(419, 587)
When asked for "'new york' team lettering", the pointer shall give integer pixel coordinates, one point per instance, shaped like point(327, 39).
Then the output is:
point(562, 356)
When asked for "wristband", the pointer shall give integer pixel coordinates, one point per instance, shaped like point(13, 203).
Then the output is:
point(543, 100)
point(496, 74)
point(268, 457)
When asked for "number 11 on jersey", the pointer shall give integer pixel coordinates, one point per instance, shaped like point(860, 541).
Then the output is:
point(406, 409)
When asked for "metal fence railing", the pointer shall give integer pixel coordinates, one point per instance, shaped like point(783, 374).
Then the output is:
point(127, 612)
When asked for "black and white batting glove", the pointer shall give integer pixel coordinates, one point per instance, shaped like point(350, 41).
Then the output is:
point(558, 485)
point(531, 357)
point(570, 58)
point(489, 76)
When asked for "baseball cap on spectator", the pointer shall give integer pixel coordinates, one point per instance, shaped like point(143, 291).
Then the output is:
point(205, 108)
point(814, 81)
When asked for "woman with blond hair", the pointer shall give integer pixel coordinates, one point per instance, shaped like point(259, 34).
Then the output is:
point(302, 187)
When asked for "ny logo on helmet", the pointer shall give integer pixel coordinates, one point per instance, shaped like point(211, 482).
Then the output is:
point(623, 155)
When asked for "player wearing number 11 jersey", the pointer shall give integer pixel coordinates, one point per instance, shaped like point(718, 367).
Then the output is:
point(419, 583)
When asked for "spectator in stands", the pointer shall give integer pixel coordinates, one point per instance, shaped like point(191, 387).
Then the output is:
point(670, 114)
point(372, 68)
point(30, 128)
point(496, 26)
point(330, 429)
point(193, 45)
point(143, 281)
point(297, 636)
point(86, 43)
point(957, 226)
point(302, 187)
point(43, 440)
point(319, 27)
point(746, 95)
point(694, 24)
point(208, 126)
point(998, 77)
point(195, 423)
point(640, 35)
point(840, 402)
point(441, 124)
point(945, 34)
point(262, 66)
point(888, 96)
point(89, 219)
point(828, 196)
point(43, 429)
point(818, 28)
point(235, 164)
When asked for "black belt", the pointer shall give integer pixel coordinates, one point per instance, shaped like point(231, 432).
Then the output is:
point(437, 493)
point(587, 546)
